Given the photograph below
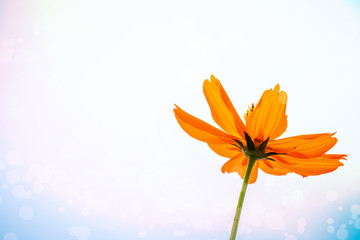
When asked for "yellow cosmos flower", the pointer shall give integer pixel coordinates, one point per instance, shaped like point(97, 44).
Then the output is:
point(254, 145)
point(258, 136)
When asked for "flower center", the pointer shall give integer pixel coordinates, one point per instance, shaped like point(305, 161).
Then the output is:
point(249, 111)
point(257, 151)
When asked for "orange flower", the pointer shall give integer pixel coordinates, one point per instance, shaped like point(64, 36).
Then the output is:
point(264, 123)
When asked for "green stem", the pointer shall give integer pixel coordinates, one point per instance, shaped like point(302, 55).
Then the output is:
point(250, 165)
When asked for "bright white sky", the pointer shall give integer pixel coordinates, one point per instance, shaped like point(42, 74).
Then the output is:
point(91, 107)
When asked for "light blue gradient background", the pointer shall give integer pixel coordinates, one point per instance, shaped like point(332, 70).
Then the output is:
point(88, 139)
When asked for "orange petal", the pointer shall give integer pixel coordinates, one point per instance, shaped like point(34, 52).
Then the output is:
point(222, 110)
point(238, 164)
point(310, 167)
point(271, 167)
point(328, 159)
point(268, 118)
point(225, 150)
point(304, 146)
point(199, 129)
point(254, 173)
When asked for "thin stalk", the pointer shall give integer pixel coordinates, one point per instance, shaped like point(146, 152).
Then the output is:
point(250, 165)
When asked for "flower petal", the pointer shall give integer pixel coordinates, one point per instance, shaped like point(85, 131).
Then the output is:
point(268, 118)
point(238, 164)
point(310, 167)
point(254, 173)
point(225, 150)
point(271, 167)
point(235, 164)
point(199, 129)
point(304, 146)
point(222, 110)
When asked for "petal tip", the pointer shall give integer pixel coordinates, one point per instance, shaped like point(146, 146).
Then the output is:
point(277, 87)
point(206, 85)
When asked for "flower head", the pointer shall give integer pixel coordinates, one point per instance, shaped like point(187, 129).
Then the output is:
point(258, 136)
